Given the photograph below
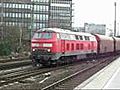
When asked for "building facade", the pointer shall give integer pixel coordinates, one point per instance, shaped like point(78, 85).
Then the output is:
point(35, 14)
point(95, 28)
point(14, 14)
point(60, 14)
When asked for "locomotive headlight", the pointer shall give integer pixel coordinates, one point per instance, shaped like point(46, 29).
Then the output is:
point(48, 50)
point(47, 45)
point(33, 50)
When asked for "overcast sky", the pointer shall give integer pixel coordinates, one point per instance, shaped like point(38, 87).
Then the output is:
point(95, 11)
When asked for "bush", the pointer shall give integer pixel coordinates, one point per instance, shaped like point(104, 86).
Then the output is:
point(5, 49)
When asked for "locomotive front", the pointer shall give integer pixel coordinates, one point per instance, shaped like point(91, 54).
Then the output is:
point(43, 45)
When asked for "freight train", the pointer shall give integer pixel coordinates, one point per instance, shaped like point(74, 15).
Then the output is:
point(54, 46)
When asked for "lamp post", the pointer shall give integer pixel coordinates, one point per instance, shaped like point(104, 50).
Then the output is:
point(31, 23)
point(32, 19)
point(115, 20)
point(1, 22)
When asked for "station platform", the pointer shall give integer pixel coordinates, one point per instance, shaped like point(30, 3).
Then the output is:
point(107, 78)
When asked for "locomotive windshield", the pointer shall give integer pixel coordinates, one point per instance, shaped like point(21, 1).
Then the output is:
point(40, 35)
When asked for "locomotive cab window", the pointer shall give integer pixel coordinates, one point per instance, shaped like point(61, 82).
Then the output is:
point(65, 36)
point(42, 35)
point(72, 37)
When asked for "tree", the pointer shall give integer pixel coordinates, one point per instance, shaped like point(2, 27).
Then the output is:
point(12, 40)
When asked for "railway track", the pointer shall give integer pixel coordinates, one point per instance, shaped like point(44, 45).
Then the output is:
point(20, 75)
point(69, 82)
point(12, 60)
point(58, 78)
point(5, 72)
point(15, 64)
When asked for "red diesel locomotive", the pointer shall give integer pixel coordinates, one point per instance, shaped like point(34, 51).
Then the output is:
point(53, 45)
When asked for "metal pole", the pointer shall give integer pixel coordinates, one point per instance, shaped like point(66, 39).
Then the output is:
point(20, 42)
point(49, 13)
point(32, 20)
point(115, 20)
point(1, 22)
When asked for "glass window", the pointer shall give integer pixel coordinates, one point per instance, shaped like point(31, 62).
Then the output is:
point(72, 37)
point(40, 8)
point(46, 17)
point(43, 25)
point(42, 35)
point(36, 16)
point(26, 7)
point(16, 14)
point(65, 36)
point(77, 37)
point(40, 17)
point(87, 38)
point(42, 0)
point(46, 0)
point(28, 15)
point(22, 5)
point(20, 15)
point(13, 5)
point(36, 0)
point(6, 14)
point(13, 23)
point(35, 7)
point(13, 14)
point(29, 6)
point(7, 5)
point(10, 6)
point(2, 14)
point(81, 38)
point(17, 5)
point(46, 8)
point(38, 25)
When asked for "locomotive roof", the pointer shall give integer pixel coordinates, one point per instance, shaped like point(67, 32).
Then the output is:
point(64, 31)
point(104, 37)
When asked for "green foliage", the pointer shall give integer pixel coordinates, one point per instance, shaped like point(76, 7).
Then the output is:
point(5, 48)
point(11, 40)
